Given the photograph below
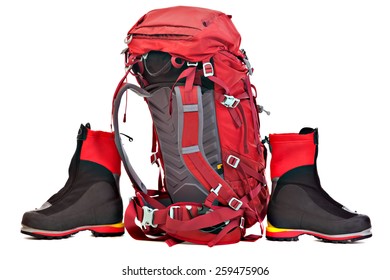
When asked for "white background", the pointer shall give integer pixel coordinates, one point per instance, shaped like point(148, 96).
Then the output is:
point(324, 64)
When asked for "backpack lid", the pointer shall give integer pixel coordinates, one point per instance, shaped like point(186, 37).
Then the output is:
point(191, 33)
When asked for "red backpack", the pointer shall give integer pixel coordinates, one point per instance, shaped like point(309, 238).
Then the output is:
point(206, 138)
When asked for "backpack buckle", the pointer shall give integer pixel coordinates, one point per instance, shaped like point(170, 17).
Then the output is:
point(208, 69)
point(230, 101)
point(192, 64)
point(235, 203)
point(233, 161)
point(242, 223)
point(172, 211)
point(216, 190)
point(148, 217)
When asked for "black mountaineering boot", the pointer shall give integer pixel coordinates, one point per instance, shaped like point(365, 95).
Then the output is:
point(90, 199)
point(299, 205)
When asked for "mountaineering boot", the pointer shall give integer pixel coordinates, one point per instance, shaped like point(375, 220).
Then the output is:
point(298, 204)
point(90, 199)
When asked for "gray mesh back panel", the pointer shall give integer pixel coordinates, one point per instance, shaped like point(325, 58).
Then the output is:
point(180, 183)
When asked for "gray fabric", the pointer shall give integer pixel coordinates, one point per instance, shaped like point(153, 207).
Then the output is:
point(190, 108)
point(190, 150)
point(180, 183)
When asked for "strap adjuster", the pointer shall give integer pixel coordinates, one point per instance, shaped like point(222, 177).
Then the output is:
point(230, 101)
point(148, 217)
point(172, 211)
point(153, 158)
point(192, 64)
point(233, 161)
point(242, 223)
point(216, 190)
point(235, 203)
point(208, 69)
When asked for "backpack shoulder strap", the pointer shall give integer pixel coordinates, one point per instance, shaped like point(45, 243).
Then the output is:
point(190, 118)
point(138, 184)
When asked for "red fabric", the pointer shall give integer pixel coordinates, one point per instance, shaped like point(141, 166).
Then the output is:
point(241, 141)
point(291, 150)
point(228, 68)
point(204, 33)
point(190, 131)
point(100, 147)
point(201, 169)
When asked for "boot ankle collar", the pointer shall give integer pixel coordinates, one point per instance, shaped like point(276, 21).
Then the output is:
point(83, 131)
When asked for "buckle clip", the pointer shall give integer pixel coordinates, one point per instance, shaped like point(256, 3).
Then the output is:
point(242, 223)
point(208, 69)
point(230, 101)
point(216, 190)
point(192, 64)
point(148, 217)
point(235, 201)
point(172, 211)
point(233, 161)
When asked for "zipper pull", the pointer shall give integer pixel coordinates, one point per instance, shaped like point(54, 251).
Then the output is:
point(261, 109)
point(127, 136)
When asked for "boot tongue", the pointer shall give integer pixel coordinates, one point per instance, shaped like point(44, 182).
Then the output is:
point(306, 130)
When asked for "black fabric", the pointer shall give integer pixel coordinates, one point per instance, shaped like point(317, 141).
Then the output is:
point(157, 69)
point(307, 177)
point(299, 202)
point(74, 163)
point(92, 198)
point(307, 130)
point(83, 131)
point(88, 173)
point(156, 62)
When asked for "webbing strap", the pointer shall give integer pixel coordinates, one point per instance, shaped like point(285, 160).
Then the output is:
point(177, 223)
point(192, 123)
point(247, 169)
point(221, 97)
point(133, 212)
point(118, 87)
point(255, 115)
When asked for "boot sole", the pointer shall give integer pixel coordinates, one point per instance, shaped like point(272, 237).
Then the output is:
point(97, 231)
point(283, 234)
